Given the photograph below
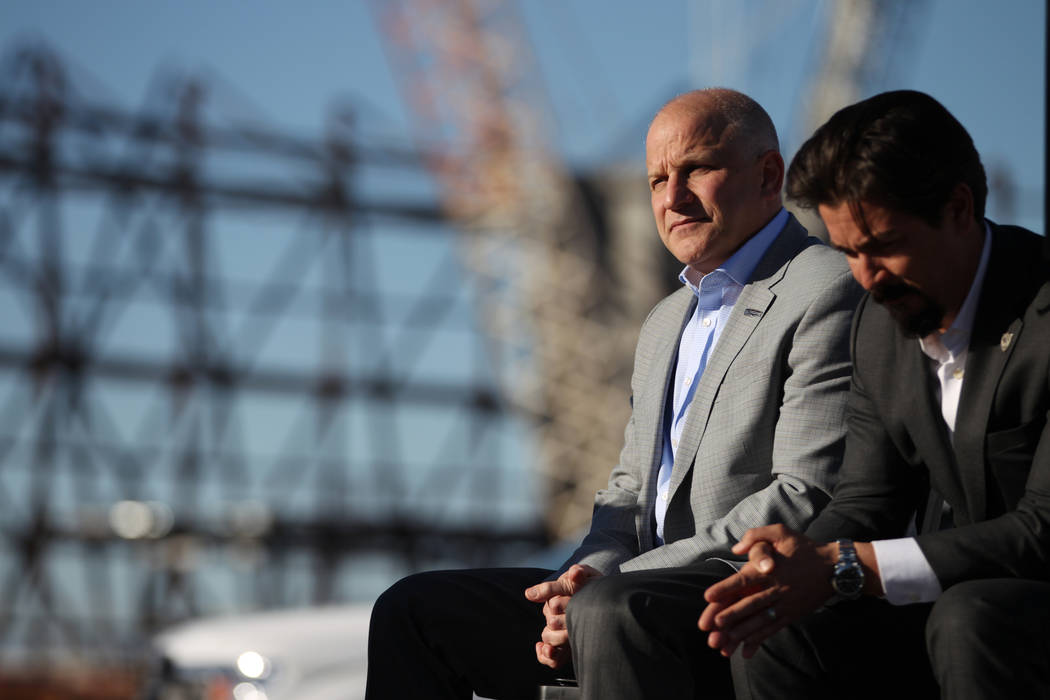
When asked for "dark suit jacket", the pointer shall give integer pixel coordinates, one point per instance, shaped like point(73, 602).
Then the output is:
point(997, 477)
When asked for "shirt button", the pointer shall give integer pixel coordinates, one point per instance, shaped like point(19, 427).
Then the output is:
point(958, 373)
point(707, 322)
point(674, 443)
point(664, 496)
point(687, 381)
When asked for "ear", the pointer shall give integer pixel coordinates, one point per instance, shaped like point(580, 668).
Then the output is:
point(958, 211)
point(771, 165)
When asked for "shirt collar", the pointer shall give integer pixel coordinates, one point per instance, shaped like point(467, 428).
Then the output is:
point(957, 337)
point(738, 268)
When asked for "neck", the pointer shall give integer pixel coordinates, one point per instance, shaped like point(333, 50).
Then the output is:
point(966, 262)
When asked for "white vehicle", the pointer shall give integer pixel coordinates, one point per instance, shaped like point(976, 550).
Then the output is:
point(314, 653)
point(302, 654)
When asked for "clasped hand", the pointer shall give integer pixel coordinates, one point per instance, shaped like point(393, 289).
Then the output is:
point(786, 577)
point(553, 648)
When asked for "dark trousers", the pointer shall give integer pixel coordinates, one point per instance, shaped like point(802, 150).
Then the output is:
point(981, 639)
point(444, 634)
point(634, 636)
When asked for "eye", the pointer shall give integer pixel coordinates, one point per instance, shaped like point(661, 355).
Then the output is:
point(880, 247)
point(657, 183)
point(889, 244)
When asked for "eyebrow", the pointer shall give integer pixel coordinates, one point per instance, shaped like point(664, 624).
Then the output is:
point(884, 233)
point(872, 240)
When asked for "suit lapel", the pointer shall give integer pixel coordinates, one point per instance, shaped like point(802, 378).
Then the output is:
point(924, 418)
point(755, 299)
point(654, 393)
point(985, 362)
point(997, 324)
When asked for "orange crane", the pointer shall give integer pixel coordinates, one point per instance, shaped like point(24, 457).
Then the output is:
point(563, 347)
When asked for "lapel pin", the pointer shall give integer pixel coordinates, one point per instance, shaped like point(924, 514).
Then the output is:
point(1004, 342)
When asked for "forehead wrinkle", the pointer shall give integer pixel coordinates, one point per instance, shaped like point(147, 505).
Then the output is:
point(680, 136)
point(856, 236)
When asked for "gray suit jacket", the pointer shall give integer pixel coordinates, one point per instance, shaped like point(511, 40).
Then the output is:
point(764, 434)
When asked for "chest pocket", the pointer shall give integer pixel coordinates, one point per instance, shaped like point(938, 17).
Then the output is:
point(1010, 454)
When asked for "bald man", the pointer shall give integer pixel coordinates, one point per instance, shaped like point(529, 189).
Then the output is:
point(739, 389)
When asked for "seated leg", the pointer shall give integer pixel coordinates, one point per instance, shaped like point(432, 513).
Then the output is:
point(634, 635)
point(857, 649)
point(991, 639)
point(444, 634)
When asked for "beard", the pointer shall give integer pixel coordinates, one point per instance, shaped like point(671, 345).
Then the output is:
point(917, 321)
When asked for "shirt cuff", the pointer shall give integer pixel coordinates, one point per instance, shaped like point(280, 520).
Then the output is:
point(906, 575)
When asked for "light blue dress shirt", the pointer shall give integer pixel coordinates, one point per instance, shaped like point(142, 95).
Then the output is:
point(716, 294)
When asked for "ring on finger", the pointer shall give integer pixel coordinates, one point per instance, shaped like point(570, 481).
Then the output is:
point(771, 614)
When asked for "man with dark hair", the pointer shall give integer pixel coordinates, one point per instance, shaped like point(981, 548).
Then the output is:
point(739, 387)
point(946, 430)
point(866, 153)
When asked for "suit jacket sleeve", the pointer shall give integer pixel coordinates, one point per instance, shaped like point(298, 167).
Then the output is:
point(1014, 545)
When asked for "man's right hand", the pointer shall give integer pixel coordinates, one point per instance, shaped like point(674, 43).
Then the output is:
point(553, 649)
point(787, 576)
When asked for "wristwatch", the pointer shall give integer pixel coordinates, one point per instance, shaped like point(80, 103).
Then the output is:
point(848, 577)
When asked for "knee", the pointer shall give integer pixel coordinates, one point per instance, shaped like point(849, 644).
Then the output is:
point(608, 607)
point(598, 600)
point(962, 616)
point(399, 600)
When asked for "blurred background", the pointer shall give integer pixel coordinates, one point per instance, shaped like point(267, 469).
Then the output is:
point(297, 298)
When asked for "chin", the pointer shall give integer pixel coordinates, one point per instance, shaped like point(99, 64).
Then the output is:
point(919, 323)
point(695, 254)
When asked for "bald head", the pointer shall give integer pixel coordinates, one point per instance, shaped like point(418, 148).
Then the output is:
point(741, 122)
point(714, 172)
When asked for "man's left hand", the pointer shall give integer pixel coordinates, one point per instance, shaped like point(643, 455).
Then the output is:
point(787, 577)
point(553, 648)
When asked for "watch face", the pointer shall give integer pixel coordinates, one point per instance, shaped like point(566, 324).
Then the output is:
point(848, 581)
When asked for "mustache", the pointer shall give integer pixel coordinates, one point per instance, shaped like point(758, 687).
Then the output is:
point(916, 322)
point(892, 291)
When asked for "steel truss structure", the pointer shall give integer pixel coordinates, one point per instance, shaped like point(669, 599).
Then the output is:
point(217, 390)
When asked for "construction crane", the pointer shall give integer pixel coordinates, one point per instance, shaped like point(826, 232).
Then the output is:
point(563, 333)
point(563, 325)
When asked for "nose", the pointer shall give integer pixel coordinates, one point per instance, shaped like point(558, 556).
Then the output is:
point(677, 192)
point(867, 270)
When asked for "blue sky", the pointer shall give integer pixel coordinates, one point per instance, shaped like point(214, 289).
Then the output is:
point(602, 68)
point(606, 65)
